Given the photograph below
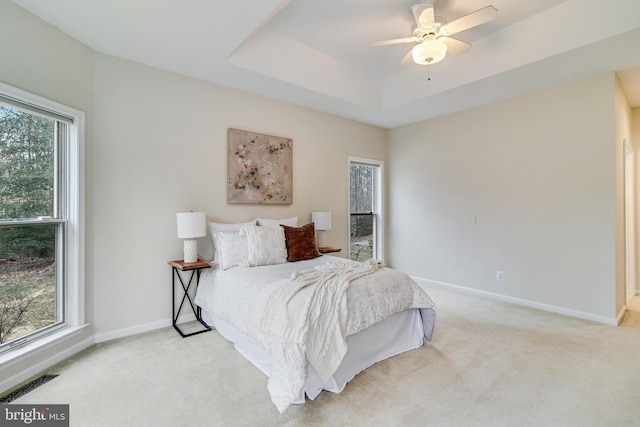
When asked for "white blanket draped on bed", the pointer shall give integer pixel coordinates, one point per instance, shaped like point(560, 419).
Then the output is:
point(310, 309)
point(234, 295)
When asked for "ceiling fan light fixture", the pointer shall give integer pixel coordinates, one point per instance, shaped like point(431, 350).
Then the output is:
point(429, 51)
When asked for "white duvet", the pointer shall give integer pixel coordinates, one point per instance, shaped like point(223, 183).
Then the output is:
point(310, 309)
point(236, 296)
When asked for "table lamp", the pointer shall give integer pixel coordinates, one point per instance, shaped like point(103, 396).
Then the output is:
point(321, 222)
point(191, 225)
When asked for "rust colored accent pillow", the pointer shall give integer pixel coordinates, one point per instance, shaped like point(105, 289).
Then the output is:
point(301, 242)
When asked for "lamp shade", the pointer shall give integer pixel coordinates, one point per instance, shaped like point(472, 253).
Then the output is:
point(321, 220)
point(191, 225)
point(429, 51)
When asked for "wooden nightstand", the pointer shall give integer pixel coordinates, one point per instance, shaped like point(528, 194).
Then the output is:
point(195, 268)
point(328, 249)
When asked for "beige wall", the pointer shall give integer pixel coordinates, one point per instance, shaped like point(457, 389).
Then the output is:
point(538, 173)
point(161, 149)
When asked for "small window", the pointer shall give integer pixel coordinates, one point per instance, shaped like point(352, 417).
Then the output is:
point(365, 209)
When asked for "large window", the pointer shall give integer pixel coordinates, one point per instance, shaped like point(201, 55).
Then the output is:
point(365, 209)
point(40, 219)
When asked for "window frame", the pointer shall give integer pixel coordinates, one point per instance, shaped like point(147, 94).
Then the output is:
point(377, 204)
point(69, 215)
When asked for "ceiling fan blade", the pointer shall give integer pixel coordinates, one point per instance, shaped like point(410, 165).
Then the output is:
point(457, 47)
point(407, 59)
point(393, 41)
point(424, 15)
point(471, 20)
point(427, 18)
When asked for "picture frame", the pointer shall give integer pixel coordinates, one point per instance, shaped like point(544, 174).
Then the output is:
point(259, 168)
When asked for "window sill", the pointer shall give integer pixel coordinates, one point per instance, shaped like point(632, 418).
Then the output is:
point(19, 353)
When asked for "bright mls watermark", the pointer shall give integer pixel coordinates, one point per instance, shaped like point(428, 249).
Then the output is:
point(34, 415)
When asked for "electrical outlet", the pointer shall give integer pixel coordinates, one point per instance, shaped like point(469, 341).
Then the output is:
point(499, 275)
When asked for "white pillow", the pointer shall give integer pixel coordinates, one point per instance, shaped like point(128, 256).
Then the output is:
point(215, 227)
point(291, 222)
point(266, 245)
point(232, 249)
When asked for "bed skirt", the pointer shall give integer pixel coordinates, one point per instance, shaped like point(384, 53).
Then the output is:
point(397, 334)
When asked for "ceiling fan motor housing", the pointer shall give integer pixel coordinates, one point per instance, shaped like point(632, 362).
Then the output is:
point(433, 33)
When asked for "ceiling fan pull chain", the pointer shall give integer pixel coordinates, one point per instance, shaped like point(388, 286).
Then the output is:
point(429, 72)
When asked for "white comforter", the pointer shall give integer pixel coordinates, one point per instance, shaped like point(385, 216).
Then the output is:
point(233, 296)
point(310, 309)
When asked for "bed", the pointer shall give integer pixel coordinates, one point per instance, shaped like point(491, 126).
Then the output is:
point(309, 324)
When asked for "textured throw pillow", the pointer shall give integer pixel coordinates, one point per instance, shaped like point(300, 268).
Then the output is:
point(215, 227)
point(232, 249)
point(301, 242)
point(265, 245)
point(291, 222)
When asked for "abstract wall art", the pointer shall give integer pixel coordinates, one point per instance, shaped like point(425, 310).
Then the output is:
point(259, 168)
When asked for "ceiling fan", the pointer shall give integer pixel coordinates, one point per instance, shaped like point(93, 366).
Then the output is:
point(433, 33)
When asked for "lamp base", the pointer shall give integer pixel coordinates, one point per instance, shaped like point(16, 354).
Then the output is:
point(321, 239)
point(190, 250)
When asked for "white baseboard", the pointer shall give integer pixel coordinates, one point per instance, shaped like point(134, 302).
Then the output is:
point(522, 302)
point(20, 377)
point(121, 333)
point(13, 381)
point(9, 383)
point(621, 314)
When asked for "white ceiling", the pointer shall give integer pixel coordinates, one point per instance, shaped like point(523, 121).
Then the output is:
point(315, 53)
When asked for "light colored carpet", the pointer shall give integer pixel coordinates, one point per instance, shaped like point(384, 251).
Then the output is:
point(490, 364)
